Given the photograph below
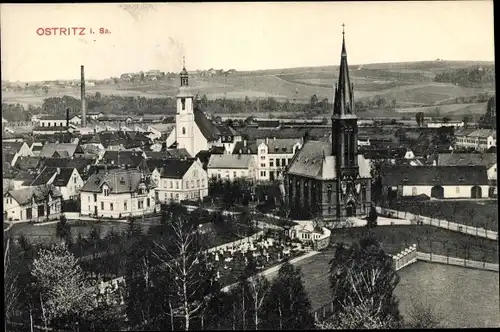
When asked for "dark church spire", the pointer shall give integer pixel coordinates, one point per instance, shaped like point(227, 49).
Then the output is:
point(344, 103)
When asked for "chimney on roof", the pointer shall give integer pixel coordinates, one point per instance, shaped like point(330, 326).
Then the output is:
point(82, 86)
point(67, 117)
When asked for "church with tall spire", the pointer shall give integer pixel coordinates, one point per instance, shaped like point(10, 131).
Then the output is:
point(329, 178)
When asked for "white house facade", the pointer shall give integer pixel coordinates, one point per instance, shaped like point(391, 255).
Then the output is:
point(231, 166)
point(118, 193)
point(274, 155)
point(33, 203)
point(480, 139)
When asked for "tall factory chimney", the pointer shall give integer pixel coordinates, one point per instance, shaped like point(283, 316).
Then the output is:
point(67, 117)
point(84, 104)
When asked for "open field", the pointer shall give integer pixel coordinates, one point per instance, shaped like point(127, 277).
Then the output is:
point(407, 83)
point(483, 214)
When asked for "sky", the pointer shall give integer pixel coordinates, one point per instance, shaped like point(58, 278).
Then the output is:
point(241, 36)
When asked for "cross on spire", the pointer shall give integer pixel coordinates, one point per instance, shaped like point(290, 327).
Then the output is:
point(343, 25)
point(183, 62)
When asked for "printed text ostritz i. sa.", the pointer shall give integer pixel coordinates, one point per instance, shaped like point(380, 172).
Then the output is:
point(70, 31)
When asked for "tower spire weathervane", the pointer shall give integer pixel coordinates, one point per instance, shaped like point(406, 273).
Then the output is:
point(343, 25)
point(183, 62)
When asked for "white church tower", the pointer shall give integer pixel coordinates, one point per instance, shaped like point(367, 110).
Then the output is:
point(185, 125)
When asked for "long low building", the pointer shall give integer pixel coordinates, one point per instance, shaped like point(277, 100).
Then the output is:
point(435, 181)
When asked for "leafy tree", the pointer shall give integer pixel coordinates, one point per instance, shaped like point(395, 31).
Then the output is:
point(287, 306)
point(314, 101)
point(363, 276)
point(419, 117)
point(64, 291)
point(63, 229)
point(372, 218)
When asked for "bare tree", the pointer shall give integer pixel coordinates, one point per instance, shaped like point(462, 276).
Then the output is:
point(259, 288)
point(11, 292)
point(186, 265)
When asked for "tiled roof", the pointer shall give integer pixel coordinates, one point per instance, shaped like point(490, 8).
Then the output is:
point(467, 159)
point(118, 180)
point(207, 128)
point(434, 175)
point(64, 150)
point(130, 158)
point(23, 196)
point(225, 130)
point(52, 117)
point(314, 160)
point(229, 161)
point(11, 147)
point(63, 177)
point(44, 177)
point(25, 163)
point(240, 148)
point(24, 176)
point(58, 128)
point(280, 145)
point(178, 153)
point(175, 169)
point(483, 133)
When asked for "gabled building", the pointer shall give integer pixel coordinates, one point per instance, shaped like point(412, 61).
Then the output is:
point(66, 180)
point(274, 155)
point(118, 193)
point(489, 160)
point(11, 151)
point(32, 204)
point(62, 150)
point(478, 139)
point(328, 178)
point(232, 166)
point(181, 180)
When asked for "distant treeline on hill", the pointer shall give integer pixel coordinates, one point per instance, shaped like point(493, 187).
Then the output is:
point(467, 77)
point(110, 104)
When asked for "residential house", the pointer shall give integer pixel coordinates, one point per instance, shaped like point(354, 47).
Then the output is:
point(231, 166)
point(95, 116)
point(228, 137)
point(13, 150)
point(181, 180)
point(160, 129)
point(59, 121)
point(479, 139)
point(32, 203)
point(118, 193)
point(21, 180)
point(435, 181)
point(67, 180)
point(27, 163)
point(123, 158)
point(439, 124)
point(274, 155)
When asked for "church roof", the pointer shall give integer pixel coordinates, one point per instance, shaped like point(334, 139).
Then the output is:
point(344, 101)
point(207, 128)
point(314, 160)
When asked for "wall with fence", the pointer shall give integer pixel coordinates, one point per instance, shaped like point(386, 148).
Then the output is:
point(237, 243)
point(405, 257)
point(323, 241)
point(418, 219)
point(433, 258)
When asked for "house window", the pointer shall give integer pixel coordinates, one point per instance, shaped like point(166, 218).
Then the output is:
point(102, 205)
point(202, 183)
point(262, 151)
point(414, 191)
point(171, 195)
point(277, 162)
point(171, 184)
point(106, 192)
point(262, 157)
point(263, 173)
point(262, 165)
point(283, 162)
point(183, 102)
point(166, 195)
point(95, 197)
point(271, 162)
point(148, 202)
point(110, 206)
point(197, 183)
point(125, 206)
point(176, 184)
point(183, 131)
point(234, 174)
point(187, 184)
point(457, 190)
point(74, 179)
point(329, 193)
point(140, 204)
point(89, 198)
point(192, 183)
point(176, 197)
point(289, 160)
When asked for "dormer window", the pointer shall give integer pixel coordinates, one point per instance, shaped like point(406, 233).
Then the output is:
point(106, 191)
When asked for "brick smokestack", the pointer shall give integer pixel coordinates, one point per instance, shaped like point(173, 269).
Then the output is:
point(67, 117)
point(84, 104)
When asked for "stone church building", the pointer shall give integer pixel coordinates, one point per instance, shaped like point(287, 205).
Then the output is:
point(329, 178)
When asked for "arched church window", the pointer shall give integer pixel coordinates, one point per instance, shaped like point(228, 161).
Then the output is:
point(183, 131)
point(183, 102)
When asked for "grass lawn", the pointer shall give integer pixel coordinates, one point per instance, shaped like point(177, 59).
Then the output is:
point(472, 213)
point(442, 242)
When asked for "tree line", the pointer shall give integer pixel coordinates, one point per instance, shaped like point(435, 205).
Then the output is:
point(467, 77)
